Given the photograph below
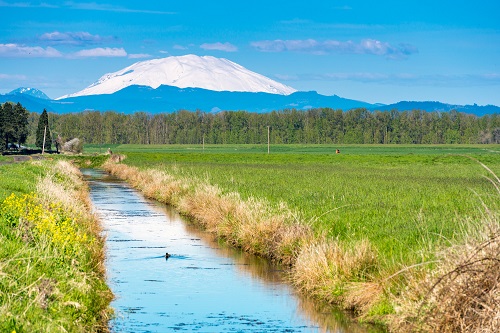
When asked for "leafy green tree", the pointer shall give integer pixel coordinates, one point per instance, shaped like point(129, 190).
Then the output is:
point(43, 127)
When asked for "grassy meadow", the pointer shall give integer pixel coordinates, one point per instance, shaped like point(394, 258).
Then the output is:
point(52, 277)
point(401, 198)
point(361, 228)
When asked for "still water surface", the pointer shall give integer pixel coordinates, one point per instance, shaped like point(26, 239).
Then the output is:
point(203, 286)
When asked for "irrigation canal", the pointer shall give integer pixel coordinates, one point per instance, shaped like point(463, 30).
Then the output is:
point(203, 286)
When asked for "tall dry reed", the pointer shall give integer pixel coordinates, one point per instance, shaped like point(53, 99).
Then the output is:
point(462, 292)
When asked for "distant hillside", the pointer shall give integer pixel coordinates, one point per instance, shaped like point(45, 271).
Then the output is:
point(438, 106)
point(167, 99)
point(31, 92)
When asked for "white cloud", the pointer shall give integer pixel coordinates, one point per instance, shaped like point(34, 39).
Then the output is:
point(365, 46)
point(12, 77)
point(101, 52)
point(226, 47)
point(286, 77)
point(73, 38)
point(26, 5)
point(403, 79)
point(139, 56)
point(179, 47)
point(16, 50)
point(345, 7)
point(111, 8)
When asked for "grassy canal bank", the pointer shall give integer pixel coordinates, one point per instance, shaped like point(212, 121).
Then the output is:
point(403, 235)
point(52, 277)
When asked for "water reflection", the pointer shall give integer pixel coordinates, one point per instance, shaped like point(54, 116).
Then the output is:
point(203, 286)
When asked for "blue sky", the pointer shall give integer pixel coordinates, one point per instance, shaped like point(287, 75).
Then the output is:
point(375, 51)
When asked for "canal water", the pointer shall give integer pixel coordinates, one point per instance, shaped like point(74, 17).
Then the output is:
point(203, 286)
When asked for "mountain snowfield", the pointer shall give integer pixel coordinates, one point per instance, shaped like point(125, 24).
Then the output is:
point(189, 71)
point(33, 92)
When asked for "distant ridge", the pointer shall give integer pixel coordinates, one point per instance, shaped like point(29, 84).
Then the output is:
point(170, 99)
point(189, 71)
point(166, 99)
point(439, 106)
point(33, 92)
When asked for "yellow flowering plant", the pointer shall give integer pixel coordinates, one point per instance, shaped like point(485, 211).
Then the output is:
point(47, 220)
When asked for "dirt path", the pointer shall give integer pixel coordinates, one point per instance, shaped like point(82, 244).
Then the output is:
point(22, 158)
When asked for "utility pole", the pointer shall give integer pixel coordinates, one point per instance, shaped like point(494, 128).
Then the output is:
point(44, 134)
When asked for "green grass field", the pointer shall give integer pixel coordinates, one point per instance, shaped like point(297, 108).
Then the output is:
point(405, 199)
point(51, 255)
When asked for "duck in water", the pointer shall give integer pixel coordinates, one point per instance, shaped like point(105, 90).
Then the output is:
point(167, 255)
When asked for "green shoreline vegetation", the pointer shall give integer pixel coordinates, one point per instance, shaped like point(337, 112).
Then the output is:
point(391, 232)
point(52, 277)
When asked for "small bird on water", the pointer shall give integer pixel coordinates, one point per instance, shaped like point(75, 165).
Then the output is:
point(167, 255)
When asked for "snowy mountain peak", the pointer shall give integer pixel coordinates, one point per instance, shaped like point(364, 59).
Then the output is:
point(33, 92)
point(189, 71)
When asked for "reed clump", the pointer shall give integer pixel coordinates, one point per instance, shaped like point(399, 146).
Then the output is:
point(154, 184)
point(330, 269)
point(247, 224)
point(461, 294)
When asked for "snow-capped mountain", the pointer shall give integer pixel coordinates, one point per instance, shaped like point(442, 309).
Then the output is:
point(33, 92)
point(189, 71)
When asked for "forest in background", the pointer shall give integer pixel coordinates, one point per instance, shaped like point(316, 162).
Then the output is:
point(290, 126)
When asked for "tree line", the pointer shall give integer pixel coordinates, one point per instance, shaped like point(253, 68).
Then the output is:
point(314, 126)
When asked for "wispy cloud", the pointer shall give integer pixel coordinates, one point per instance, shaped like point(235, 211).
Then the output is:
point(74, 38)
point(83, 6)
point(26, 5)
point(100, 52)
point(139, 56)
point(226, 47)
point(180, 47)
point(406, 79)
point(111, 8)
point(16, 50)
point(365, 46)
point(12, 77)
point(287, 77)
point(345, 7)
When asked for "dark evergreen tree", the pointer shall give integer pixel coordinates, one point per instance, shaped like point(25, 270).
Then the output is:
point(8, 128)
point(20, 124)
point(43, 127)
point(2, 121)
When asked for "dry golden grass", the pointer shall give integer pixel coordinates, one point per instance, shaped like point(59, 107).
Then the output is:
point(250, 224)
point(326, 268)
point(461, 295)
